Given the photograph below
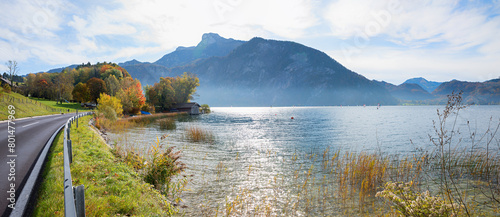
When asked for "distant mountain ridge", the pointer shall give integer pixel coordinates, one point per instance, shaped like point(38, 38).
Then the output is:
point(429, 86)
point(487, 92)
point(407, 91)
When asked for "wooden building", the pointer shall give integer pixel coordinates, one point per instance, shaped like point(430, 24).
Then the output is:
point(191, 108)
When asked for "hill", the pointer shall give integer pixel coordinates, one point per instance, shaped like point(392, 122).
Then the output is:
point(487, 92)
point(429, 86)
point(407, 91)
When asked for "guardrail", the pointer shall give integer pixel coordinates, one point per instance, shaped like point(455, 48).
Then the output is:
point(74, 197)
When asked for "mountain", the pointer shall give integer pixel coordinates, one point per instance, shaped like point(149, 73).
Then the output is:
point(267, 72)
point(131, 63)
point(429, 86)
point(487, 92)
point(147, 73)
point(406, 91)
point(62, 68)
point(211, 45)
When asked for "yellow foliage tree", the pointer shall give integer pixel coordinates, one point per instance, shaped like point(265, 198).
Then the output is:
point(109, 104)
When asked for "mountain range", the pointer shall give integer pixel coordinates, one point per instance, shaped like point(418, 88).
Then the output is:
point(262, 72)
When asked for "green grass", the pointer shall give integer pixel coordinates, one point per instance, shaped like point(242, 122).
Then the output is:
point(111, 187)
point(64, 106)
point(24, 107)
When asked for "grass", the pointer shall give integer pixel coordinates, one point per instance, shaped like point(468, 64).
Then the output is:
point(167, 124)
point(196, 134)
point(72, 106)
point(141, 120)
point(111, 186)
point(24, 106)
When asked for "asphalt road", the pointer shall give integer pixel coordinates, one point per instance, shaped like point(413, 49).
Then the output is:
point(31, 135)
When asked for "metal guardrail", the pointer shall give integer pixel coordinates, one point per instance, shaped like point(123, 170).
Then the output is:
point(74, 196)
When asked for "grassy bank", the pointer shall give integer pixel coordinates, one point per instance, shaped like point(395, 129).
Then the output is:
point(72, 106)
point(111, 186)
point(24, 106)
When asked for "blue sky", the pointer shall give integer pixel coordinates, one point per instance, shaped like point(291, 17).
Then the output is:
point(390, 40)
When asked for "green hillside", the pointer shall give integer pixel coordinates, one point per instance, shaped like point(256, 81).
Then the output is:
point(23, 106)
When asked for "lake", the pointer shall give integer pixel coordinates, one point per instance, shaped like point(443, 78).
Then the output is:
point(254, 146)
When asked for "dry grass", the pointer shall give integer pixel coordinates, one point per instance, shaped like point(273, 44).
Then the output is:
point(197, 134)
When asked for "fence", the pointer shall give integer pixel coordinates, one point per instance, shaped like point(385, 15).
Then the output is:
point(74, 197)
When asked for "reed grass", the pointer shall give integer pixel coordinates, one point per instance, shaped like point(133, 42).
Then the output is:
point(167, 124)
point(197, 134)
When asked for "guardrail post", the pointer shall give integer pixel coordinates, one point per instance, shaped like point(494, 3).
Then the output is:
point(77, 118)
point(79, 193)
point(67, 133)
point(70, 151)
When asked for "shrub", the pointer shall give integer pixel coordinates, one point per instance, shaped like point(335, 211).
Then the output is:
point(205, 109)
point(6, 88)
point(108, 112)
point(162, 166)
point(410, 203)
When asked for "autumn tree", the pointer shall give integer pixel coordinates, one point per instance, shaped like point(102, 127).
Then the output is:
point(170, 91)
point(96, 86)
point(81, 93)
point(185, 87)
point(112, 84)
point(109, 106)
point(64, 85)
point(132, 97)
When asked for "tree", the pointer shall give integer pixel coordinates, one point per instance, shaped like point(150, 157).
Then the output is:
point(185, 87)
point(64, 85)
point(96, 86)
point(12, 70)
point(165, 93)
point(112, 84)
point(132, 98)
point(107, 103)
point(81, 93)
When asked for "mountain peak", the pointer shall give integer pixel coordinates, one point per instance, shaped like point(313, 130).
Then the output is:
point(210, 38)
point(429, 86)
point(212, 44)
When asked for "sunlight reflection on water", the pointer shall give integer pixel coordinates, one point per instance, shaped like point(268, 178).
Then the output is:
point(254, 145)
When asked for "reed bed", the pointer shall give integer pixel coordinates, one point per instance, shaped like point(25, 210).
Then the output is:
point(197, 134)
point(167, 124)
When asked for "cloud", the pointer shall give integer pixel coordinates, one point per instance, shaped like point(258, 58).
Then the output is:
point(453, 24)
point(395, 65)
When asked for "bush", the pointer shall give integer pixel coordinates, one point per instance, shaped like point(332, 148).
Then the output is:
point(162, 166)
point(6, 88)
point(410, 203)
point(205, 109)
point(108, 112)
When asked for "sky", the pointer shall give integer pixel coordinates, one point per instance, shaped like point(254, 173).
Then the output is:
point(390, 40)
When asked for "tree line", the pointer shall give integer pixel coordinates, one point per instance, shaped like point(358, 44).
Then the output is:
point(89, 83)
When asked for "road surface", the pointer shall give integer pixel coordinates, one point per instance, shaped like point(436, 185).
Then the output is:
point(30, 135)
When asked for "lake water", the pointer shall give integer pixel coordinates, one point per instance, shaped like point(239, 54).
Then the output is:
point(254, 145)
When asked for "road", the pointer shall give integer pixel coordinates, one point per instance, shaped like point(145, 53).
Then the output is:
point(31, 135)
